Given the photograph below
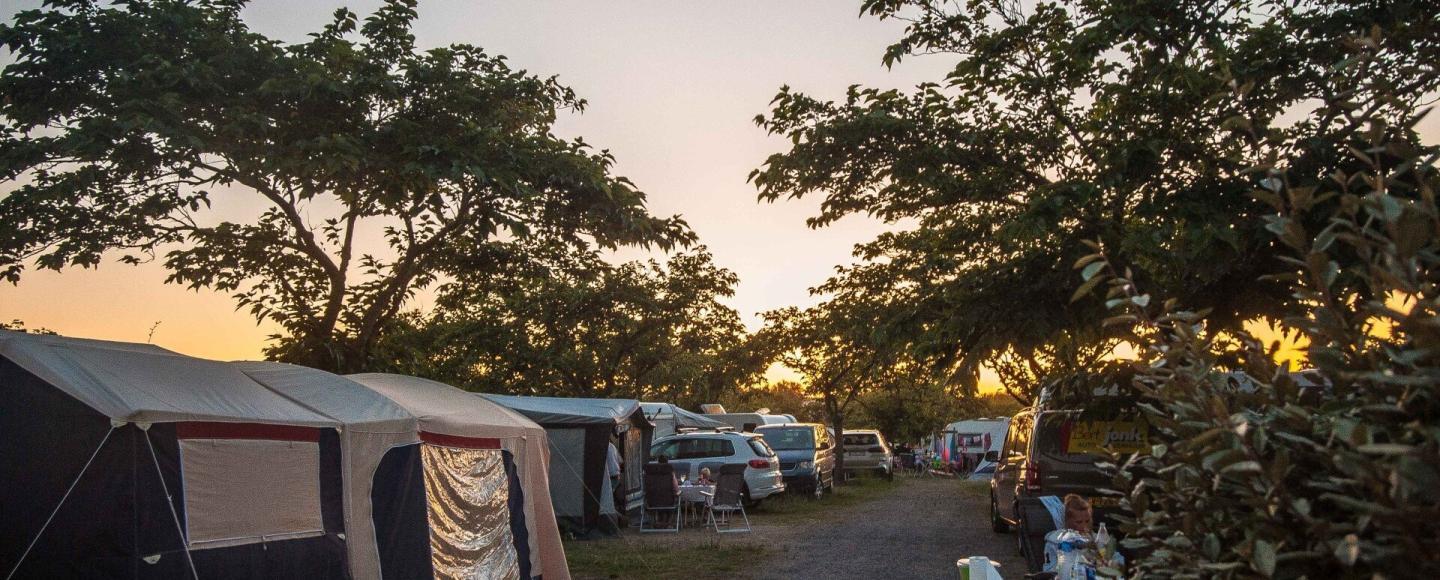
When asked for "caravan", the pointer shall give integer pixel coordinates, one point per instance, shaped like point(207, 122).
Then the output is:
point(973, 445)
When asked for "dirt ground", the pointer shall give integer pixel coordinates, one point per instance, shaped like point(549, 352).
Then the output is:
point(916, 531)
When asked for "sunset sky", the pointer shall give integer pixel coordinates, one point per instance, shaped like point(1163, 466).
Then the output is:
point(672, 90)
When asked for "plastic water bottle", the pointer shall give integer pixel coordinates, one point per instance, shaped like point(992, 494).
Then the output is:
point(1065, 562)
point(1102, 542)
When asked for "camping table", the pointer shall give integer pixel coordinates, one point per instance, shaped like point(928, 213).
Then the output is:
point(693, 496)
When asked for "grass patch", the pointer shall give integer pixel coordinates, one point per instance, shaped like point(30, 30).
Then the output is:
point(858, 490)
point(624, 558)
point(975, 489)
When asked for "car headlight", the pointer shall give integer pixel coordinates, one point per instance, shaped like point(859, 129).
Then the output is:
point(803, 465)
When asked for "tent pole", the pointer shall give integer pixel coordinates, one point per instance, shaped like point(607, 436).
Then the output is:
point(170, 501)
point(62, 502)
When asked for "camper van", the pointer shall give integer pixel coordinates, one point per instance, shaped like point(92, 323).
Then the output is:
point(975, 442)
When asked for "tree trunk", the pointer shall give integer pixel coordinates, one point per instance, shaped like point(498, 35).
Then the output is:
point(837, 420)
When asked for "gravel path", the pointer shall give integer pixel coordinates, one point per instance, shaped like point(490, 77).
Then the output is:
point(916, 531)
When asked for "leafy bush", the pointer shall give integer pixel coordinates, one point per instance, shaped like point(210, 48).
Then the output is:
point(1254, 475)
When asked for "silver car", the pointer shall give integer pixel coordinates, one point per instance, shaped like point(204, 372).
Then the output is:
point(866, 450)
point(696, 450)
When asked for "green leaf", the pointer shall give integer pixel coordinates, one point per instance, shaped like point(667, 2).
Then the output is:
point(1087, 259)
point(1263, 558)
point(1085, 289)
point(1091, 269)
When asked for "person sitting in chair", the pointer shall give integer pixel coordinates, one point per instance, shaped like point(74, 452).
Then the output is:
point(662, 460)
point(704, 477)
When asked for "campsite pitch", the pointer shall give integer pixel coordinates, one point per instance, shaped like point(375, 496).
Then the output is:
point(911, 528)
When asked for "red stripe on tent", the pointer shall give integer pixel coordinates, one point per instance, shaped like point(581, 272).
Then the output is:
point(212, 430)
point(458, 441)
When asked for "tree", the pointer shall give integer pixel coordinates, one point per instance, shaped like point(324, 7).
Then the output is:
point(836, 349)
point(907, 408)
point(1024, 368)
point(1341, 477)
point(122, 124)
point(1070, 121)
point(557, 320)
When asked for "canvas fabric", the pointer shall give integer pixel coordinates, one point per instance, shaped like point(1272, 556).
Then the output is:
point(446, 411)
point(372, 426)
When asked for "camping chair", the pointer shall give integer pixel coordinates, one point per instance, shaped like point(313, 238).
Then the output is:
point(727, 499)
point(660, 496)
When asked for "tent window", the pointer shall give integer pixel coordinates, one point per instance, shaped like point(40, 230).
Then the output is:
point(243, 491)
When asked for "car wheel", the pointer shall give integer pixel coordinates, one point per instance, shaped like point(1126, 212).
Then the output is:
point(745, 500)
point(997, 523)
point(1020, 535)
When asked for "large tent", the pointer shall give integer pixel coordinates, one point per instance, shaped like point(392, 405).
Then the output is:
point(476, 489)
point(579, 431)
point(670, 419)
point(131, 461)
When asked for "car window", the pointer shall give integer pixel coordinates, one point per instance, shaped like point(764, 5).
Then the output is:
point(758, 445)
point(860, 440)
point(790, 438)
point(1017, 437)
point(699, 448)
point(665, 448)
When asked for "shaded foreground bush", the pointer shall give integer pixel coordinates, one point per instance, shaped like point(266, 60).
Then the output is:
point(1270, 479)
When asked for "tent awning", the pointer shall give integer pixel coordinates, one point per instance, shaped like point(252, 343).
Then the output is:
point(683, 419)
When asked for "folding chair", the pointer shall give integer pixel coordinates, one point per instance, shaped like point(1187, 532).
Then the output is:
point(660, 496)
point(727, 500)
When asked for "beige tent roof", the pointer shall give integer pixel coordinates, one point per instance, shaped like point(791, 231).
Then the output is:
point(446, 410)
point(146, 383)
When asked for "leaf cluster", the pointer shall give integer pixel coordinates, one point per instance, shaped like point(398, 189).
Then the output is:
point(1258, 470)
point(544, 318)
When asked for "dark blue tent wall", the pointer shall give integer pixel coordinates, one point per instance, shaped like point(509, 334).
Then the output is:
point(115, 522)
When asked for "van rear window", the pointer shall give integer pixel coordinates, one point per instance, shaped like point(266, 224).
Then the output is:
point(1071, 434)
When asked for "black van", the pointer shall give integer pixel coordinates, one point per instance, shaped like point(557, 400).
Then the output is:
point(1054, 453)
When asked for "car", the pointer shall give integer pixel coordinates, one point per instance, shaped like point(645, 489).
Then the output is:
point(695, 450)
point(866, 450)
point(807, 455)
point(1053, 449)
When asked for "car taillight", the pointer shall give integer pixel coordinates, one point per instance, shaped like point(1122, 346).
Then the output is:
point(760, 463)
point(1032, 476)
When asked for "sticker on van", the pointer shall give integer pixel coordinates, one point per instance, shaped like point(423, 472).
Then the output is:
point(1098, 437)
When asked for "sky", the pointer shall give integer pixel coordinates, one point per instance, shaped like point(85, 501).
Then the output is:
point(673, 89)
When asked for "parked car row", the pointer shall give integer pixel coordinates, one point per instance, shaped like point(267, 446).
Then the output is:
point(797, 457)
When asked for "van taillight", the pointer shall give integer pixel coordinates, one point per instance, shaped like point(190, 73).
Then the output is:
point(760, 463)
point(1032, 476)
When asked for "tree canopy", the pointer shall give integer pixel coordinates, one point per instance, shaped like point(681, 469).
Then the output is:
point(121, 125)
point(1137, 125)
point(563, 322)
